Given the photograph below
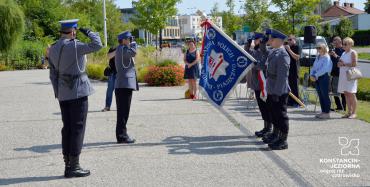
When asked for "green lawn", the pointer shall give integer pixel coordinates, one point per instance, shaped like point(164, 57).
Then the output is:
point(362, 108)
point(365, 56)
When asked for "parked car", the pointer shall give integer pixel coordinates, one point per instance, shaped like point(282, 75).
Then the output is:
point(308, 52)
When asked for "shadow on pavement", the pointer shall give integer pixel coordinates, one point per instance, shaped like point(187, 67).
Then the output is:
point(210, 145)
point(90, 111)
point(40, 83)
point(204, 145)
point(49, 148)
point(28, 179)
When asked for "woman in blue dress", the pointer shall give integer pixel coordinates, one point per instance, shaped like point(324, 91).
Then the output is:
point(191, 59)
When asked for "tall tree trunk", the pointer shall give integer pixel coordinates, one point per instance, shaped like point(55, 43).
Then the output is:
point(160, 39)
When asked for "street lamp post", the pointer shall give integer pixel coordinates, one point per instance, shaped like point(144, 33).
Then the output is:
point(105, 25)
point(293, 29)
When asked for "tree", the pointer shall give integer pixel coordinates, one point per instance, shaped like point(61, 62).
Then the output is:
point(152, 15)
point(323, 5)
point(12, 25)
point(257, 13)
point(367, 6)
point(215, 13)
point(41, 18)
point(215, 10)
point(90, 13)
point(326, 31)
point(231, 22)
point(344, 28)
point(295, 13)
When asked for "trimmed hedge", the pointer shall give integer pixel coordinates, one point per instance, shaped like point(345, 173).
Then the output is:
point(361, 38)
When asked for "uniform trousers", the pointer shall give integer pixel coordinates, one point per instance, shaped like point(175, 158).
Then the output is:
point(263, 106)
point(278, 110)
point(74, 113)
point(123, 102)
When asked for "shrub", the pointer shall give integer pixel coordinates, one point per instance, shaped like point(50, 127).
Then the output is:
point(171, 75)
point(143, 57)
point(142, 72)
point(96, 71)
point(3, 67)
point(361, 38)
point(166, 62)
point(26, 55)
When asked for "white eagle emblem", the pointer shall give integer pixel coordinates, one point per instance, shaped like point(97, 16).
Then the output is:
point(217, 65)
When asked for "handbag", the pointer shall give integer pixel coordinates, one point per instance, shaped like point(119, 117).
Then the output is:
point(108, 71)
point(353, 74)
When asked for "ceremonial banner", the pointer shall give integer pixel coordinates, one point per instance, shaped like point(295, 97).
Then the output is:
point(224, 64)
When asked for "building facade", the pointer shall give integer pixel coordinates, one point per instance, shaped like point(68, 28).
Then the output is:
point(190, 25)
point(333, 15)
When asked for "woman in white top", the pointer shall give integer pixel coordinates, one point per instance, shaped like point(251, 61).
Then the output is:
point(349, 88)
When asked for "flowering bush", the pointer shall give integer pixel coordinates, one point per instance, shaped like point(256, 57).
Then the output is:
point(171, 75)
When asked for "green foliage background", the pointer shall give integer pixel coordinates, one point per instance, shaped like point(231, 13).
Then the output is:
point(12, 24)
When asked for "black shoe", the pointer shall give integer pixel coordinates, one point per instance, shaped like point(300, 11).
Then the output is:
point(75, 169)
point(271, 139)
point(266, 129)
point(274, 136)
point(279, 145)
point(125, 139)
point(67, 164)
point(267, 136)
point(261, 132)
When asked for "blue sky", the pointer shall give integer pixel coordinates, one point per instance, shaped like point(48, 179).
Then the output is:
point(190, 6)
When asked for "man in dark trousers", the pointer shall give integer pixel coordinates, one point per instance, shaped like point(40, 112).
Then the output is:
point(72, 87)
point(293, 51)
point(259, 52)
point(335, 55)
point(278, 90)
point(126, 82)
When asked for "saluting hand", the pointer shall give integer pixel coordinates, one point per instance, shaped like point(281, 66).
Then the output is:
point(85, 31)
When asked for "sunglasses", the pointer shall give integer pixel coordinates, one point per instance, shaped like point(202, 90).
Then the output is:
point(290, 39)
point(318, 48)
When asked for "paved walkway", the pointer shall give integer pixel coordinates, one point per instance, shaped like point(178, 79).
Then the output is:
point(180, 142)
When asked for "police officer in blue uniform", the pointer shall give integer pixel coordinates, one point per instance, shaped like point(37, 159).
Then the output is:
point(259, 52)
point(278, 89)
point(126, 82)
point(72, 87)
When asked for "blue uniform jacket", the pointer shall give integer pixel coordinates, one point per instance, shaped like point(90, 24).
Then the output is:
point(67, 62)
